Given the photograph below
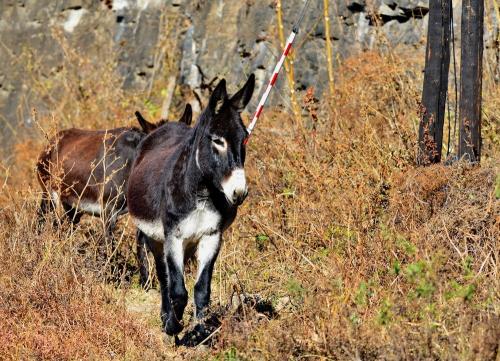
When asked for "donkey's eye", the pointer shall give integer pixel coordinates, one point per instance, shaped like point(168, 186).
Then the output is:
point(219, 144)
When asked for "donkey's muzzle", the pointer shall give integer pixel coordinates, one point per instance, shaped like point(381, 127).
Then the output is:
point(239, 196)
point(234, 186)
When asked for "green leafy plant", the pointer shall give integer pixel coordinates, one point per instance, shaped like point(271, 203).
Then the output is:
point(396, 267)
point(418, 274)
point(229, 355)
point(384, 315)
point(355, 319)
point(362, 294)
point(405, 245)
point(295, 289)
point(465, 292)
point(152, 108)
point(262, 241)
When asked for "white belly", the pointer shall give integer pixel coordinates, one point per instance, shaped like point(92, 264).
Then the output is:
point(201, 221)
point(152, 229)
point(82, 205)
point(89, 207)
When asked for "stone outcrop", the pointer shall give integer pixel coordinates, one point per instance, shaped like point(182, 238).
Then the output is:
point(233, 38)
point(219, 38)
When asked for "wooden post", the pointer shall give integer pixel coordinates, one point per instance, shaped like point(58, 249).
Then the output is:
point(471, 71)
point(437, 63)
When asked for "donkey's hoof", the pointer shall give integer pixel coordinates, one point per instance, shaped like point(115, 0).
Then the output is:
point(169, 340)
point(196, 336)
point(172, 327)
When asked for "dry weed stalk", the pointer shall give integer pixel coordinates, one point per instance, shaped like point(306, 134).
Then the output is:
point(288, 64)
point(363, 254)
point(328, 47)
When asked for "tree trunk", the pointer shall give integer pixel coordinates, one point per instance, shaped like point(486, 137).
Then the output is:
point(437, 63)
point(471, 71)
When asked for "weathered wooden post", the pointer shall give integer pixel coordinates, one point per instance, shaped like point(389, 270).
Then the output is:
point(471, 71)
point(437, 63)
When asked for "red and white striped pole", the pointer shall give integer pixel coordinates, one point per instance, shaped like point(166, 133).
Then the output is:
point(286, 51)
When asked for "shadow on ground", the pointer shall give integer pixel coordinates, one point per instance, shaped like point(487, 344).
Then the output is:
point(205, 332)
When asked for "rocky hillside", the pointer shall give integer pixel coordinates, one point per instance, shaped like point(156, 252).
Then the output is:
point(204, 39)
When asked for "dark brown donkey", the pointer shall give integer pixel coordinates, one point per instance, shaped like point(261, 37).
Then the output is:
point(86, 171)
point(184, 191)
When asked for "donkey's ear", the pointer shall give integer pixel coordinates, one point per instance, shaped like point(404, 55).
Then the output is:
point(146, 126)
point(243, 96)
point(218, 97)
point(187, 117)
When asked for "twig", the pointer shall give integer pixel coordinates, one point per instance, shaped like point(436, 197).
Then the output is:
point(290, 244)
point(328, 47)
point(168, 98)
point(209, 336)
point(449, 239)
point(482, 265)
point(288, 64)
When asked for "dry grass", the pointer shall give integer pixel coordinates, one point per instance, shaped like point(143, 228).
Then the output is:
point(365, 256)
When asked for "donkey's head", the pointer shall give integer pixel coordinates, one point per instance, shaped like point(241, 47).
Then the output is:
point(220, 152)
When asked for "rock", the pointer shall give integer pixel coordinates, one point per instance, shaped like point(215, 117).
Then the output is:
point(221, 38)
point(282, 303)
point(386, 10)
point(232, 39)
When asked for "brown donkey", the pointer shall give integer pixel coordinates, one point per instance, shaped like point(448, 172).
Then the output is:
point(87, 171)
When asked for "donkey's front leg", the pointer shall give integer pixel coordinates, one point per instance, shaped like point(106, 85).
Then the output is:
point(208, 249)
point(174, 255)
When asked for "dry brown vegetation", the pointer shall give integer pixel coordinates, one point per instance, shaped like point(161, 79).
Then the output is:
point(363, 255)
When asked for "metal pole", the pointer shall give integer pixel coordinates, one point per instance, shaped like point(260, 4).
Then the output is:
point(286, 51)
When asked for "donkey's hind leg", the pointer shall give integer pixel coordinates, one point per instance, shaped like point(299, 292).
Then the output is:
point(72, 214)
point(46, 206)
point(111, 212)
point(162, 274)
point(142, 260)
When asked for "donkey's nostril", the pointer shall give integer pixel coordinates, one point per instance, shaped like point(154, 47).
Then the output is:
point(239, 196)
point(234, 186)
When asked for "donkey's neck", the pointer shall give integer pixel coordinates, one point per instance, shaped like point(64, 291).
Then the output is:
point(187, 176)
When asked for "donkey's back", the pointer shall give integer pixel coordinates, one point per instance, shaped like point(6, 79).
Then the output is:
point(86, 171)
point(165, 138)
